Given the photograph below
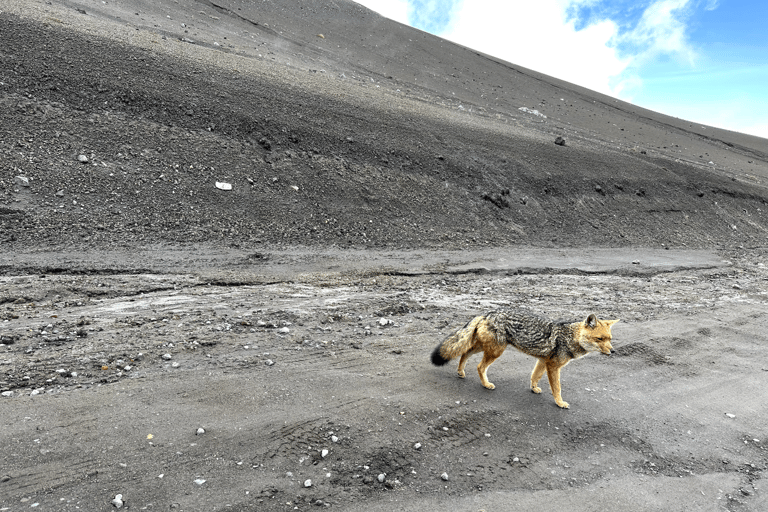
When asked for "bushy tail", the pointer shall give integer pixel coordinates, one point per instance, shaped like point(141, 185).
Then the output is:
point(456, 344)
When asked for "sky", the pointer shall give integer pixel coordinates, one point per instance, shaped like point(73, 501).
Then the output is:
point(705, 61)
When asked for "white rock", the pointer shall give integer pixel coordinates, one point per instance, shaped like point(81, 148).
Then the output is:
point(7, 393)
point(382, 477)
point(334, 439)
point(200, 431)
point(324, 453)
point(730, 415)
point(269, 362)
point(118, 501)
point(444, 476)
point(284, 330)
point(199, 481)
point(167, 357)
point(22, 181)
point(307, 483)
point(223, 186)
point(82, 159)
point(417, 446)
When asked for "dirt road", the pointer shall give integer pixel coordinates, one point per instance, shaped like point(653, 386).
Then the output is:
point(318, 392)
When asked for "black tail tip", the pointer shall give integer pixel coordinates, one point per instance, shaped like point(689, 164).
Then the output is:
point(437, 358)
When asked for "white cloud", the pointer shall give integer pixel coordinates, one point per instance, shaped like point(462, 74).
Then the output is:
point(538, 35)
point(393, 9)
point(661, 30)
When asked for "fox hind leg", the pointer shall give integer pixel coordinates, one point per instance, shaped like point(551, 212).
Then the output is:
point(488, 358)
point(463, 360)
point(538, 372)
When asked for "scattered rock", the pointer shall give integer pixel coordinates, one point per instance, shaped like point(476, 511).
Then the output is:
point(118, 501)
point(223, 186)
point(22, 181)
point(7, 393)
point(382, 477)
point(560, 141)
point(730, 415)
point(444, 476)
point(324, 453)
point(199, 481)
point(417, 446)
point(167, 357)
point(334, 439)
point(284, 330)
point(269, 362)
point(532, 111)
point(307, 483)
point(200, 431)
point(82, 159)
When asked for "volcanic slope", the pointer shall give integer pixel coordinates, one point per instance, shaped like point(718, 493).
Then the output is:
point(334, 126)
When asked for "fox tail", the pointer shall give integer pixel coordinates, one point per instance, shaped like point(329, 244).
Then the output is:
point(457, 343)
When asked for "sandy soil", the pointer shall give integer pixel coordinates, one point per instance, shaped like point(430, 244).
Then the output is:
point(267, 348)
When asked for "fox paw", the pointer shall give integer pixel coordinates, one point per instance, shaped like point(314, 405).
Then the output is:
point(563, 404)
point(461, 374)
point(536, 389)
point(489, 386)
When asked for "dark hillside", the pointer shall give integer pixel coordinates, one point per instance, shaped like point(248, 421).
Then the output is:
point(374, 134)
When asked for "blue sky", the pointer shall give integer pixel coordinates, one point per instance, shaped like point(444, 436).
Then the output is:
point(701, 60)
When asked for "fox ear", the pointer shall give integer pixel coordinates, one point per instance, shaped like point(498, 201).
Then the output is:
point(591, 321)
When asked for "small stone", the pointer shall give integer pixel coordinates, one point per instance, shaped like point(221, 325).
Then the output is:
point(324, 453)
point(22, 181)
point(200, 431)
point(269, 362)
point(199, 481)
point(417, 446)
point(283, 330)
point(167, 357)
point(334, 439)
point(223, 186)
point(730, 415)
point(82, 159)
point(382, 477)
point(307, 483)
point(7, 393)
point(118, 501)
point(444, 476)
point(5, 478)
point(560, 141)
point(60, 193)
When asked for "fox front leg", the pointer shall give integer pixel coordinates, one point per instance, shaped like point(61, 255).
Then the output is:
point(536, 375)
point(553, 374)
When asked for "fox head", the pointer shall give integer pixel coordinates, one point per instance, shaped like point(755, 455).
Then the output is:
point(596, 335)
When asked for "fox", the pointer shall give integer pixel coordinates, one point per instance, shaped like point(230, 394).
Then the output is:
point(553, 343)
